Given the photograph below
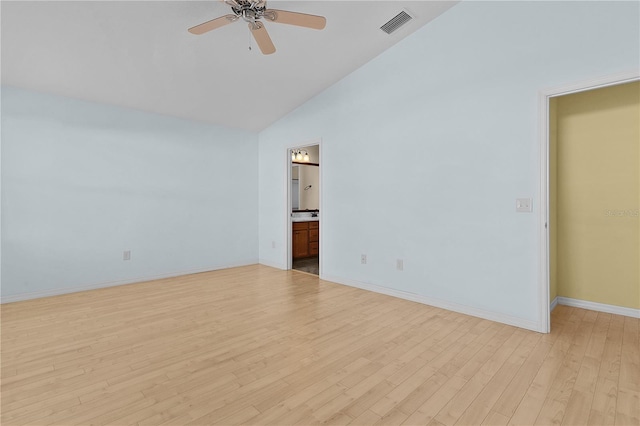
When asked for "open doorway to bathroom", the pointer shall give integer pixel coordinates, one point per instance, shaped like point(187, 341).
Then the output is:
point(304, 201)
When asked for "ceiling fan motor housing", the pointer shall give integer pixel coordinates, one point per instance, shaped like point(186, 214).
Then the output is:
point(250, 11)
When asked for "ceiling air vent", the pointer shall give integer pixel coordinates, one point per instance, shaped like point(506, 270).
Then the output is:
point(396, 22)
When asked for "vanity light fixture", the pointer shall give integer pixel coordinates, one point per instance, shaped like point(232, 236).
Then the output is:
point(299, 155)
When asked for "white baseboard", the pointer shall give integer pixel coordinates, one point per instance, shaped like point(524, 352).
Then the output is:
point(66, 290)
point(600, 307)
point(553, 305)
point(272, 264)
point(450, 306)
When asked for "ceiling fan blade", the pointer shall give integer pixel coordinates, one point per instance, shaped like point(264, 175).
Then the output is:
point(213, 24)
point(262, 37)
point(295, 18)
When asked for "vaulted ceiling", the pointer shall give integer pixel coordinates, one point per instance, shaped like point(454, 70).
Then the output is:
point(138, 54)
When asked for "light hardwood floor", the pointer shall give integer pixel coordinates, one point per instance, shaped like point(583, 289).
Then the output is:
point(256, 345)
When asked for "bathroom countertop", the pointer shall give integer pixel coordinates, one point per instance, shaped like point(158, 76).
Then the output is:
point(305, 219)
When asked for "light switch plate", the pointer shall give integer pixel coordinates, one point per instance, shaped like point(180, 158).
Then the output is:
point(524, 205)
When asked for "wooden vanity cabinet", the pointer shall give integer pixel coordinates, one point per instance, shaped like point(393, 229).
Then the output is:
point(306, 239)
point(314, 238)
point(300, 239)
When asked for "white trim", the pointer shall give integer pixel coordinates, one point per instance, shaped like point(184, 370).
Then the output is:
point(543, 134)
point(321, 208)
point(600, 307)
point(593, 83)
point(66, 290)
point(543, 216)
point(273, 264)
point(288, 232)
point(439, 303)
point(553, 305)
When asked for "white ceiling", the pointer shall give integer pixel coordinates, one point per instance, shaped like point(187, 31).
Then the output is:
point(138, 54)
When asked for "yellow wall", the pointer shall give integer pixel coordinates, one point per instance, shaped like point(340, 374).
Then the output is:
point(553, 153)
point(595, 192)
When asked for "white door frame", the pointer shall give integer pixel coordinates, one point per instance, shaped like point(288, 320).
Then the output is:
point(288, 221)
point(543, 103)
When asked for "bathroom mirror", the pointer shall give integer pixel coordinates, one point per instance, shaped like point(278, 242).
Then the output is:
point(305, 182)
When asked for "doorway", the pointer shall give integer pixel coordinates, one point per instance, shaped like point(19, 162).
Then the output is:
point(304, 209)
point(593, 191)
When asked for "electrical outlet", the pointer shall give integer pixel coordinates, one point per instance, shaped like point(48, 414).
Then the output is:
point(363, 259)
point(400, 264)
point(126, 255)
point(273, 244)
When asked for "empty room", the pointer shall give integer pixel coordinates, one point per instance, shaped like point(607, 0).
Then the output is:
point(320, 212)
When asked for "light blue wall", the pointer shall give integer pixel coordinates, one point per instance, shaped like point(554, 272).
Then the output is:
point(426, 148)
point(83, 182)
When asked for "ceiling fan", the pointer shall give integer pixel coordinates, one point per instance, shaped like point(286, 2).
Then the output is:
point(252, 11)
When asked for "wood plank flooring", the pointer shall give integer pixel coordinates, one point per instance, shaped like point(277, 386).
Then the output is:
point(256, 345)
